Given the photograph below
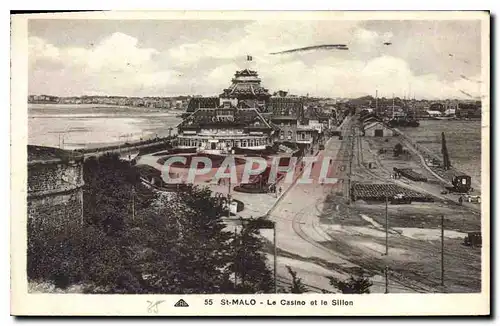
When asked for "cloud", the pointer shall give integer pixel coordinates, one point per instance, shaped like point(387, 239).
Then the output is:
point(40, 50)
point(116, 65)
point(121, 64)
point(335, 78)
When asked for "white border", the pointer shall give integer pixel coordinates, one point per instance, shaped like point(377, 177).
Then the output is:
point(374, 304)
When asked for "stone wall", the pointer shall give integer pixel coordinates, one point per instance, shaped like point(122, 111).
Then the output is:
point(56, 210)
point(58, 177)
point(55, 192)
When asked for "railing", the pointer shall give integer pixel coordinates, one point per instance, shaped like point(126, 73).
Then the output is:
point(126, 146)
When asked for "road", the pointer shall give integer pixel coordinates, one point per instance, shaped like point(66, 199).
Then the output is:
point(300, 238)
point(306, 247)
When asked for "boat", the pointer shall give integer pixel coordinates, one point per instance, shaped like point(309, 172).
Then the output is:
point(403, 122)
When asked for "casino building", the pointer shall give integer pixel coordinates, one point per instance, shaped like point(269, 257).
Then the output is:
point(232, 120)
point(218, 130)
point(246, 116)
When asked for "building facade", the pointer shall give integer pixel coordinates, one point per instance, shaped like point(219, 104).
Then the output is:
point(246, 116)
point(377, 129)
point(218, 130)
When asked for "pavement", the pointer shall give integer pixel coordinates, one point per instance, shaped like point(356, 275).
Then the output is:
point(296, 216)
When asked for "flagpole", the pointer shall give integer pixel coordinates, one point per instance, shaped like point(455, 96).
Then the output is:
point(249, 59)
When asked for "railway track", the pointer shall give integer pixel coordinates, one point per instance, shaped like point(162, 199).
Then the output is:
point(398, 278)
point(402, 281)
point(297, 227)
point(413, 187)
point(434, 249)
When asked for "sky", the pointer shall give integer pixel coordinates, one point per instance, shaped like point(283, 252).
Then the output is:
point(426, 59)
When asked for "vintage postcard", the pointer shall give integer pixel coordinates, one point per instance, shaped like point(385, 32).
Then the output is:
point(250, 163)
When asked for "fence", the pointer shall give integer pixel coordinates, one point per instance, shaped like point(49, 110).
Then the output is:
point(126, 146)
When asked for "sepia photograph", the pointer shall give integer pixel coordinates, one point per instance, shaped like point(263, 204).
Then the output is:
point(262, 160)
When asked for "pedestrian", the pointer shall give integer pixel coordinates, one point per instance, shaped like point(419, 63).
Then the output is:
point(280, 191)
point(460, 200)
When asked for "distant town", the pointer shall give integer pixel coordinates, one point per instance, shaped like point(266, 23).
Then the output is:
point(178, 102)
point(421, 108)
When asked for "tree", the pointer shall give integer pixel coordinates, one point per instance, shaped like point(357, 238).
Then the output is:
point(398, 150)
point(297, 285)
point(110, 187)
point(74, 254)
point(190, 249)
point(176, 243)
point(358, 284)
point(248, 262)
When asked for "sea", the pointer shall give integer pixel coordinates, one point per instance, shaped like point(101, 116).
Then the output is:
point(463, 140)
point(73, 126)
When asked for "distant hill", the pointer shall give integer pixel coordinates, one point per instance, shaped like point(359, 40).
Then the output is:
point(361, 101)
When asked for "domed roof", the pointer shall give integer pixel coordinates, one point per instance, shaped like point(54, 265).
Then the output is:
point(246, 83)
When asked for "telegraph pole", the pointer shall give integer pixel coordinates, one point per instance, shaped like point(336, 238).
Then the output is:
point(442, 250)
point(132, 189)
point(351, 157)
point(229, 199)
point(386, 273)
point(386, 225)
point(235, 256)
point(133, 203)
point(393, 105)
point(275, 261)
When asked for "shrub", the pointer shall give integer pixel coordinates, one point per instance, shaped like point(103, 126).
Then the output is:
point(398, 149)
point(297, 285)
point(73, 254)
point(358, 285)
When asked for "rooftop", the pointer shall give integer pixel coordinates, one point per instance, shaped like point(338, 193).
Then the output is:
point(202, 102)
point(246, 82)
point(225, 117)
point(315, 113)
point(287, 106)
